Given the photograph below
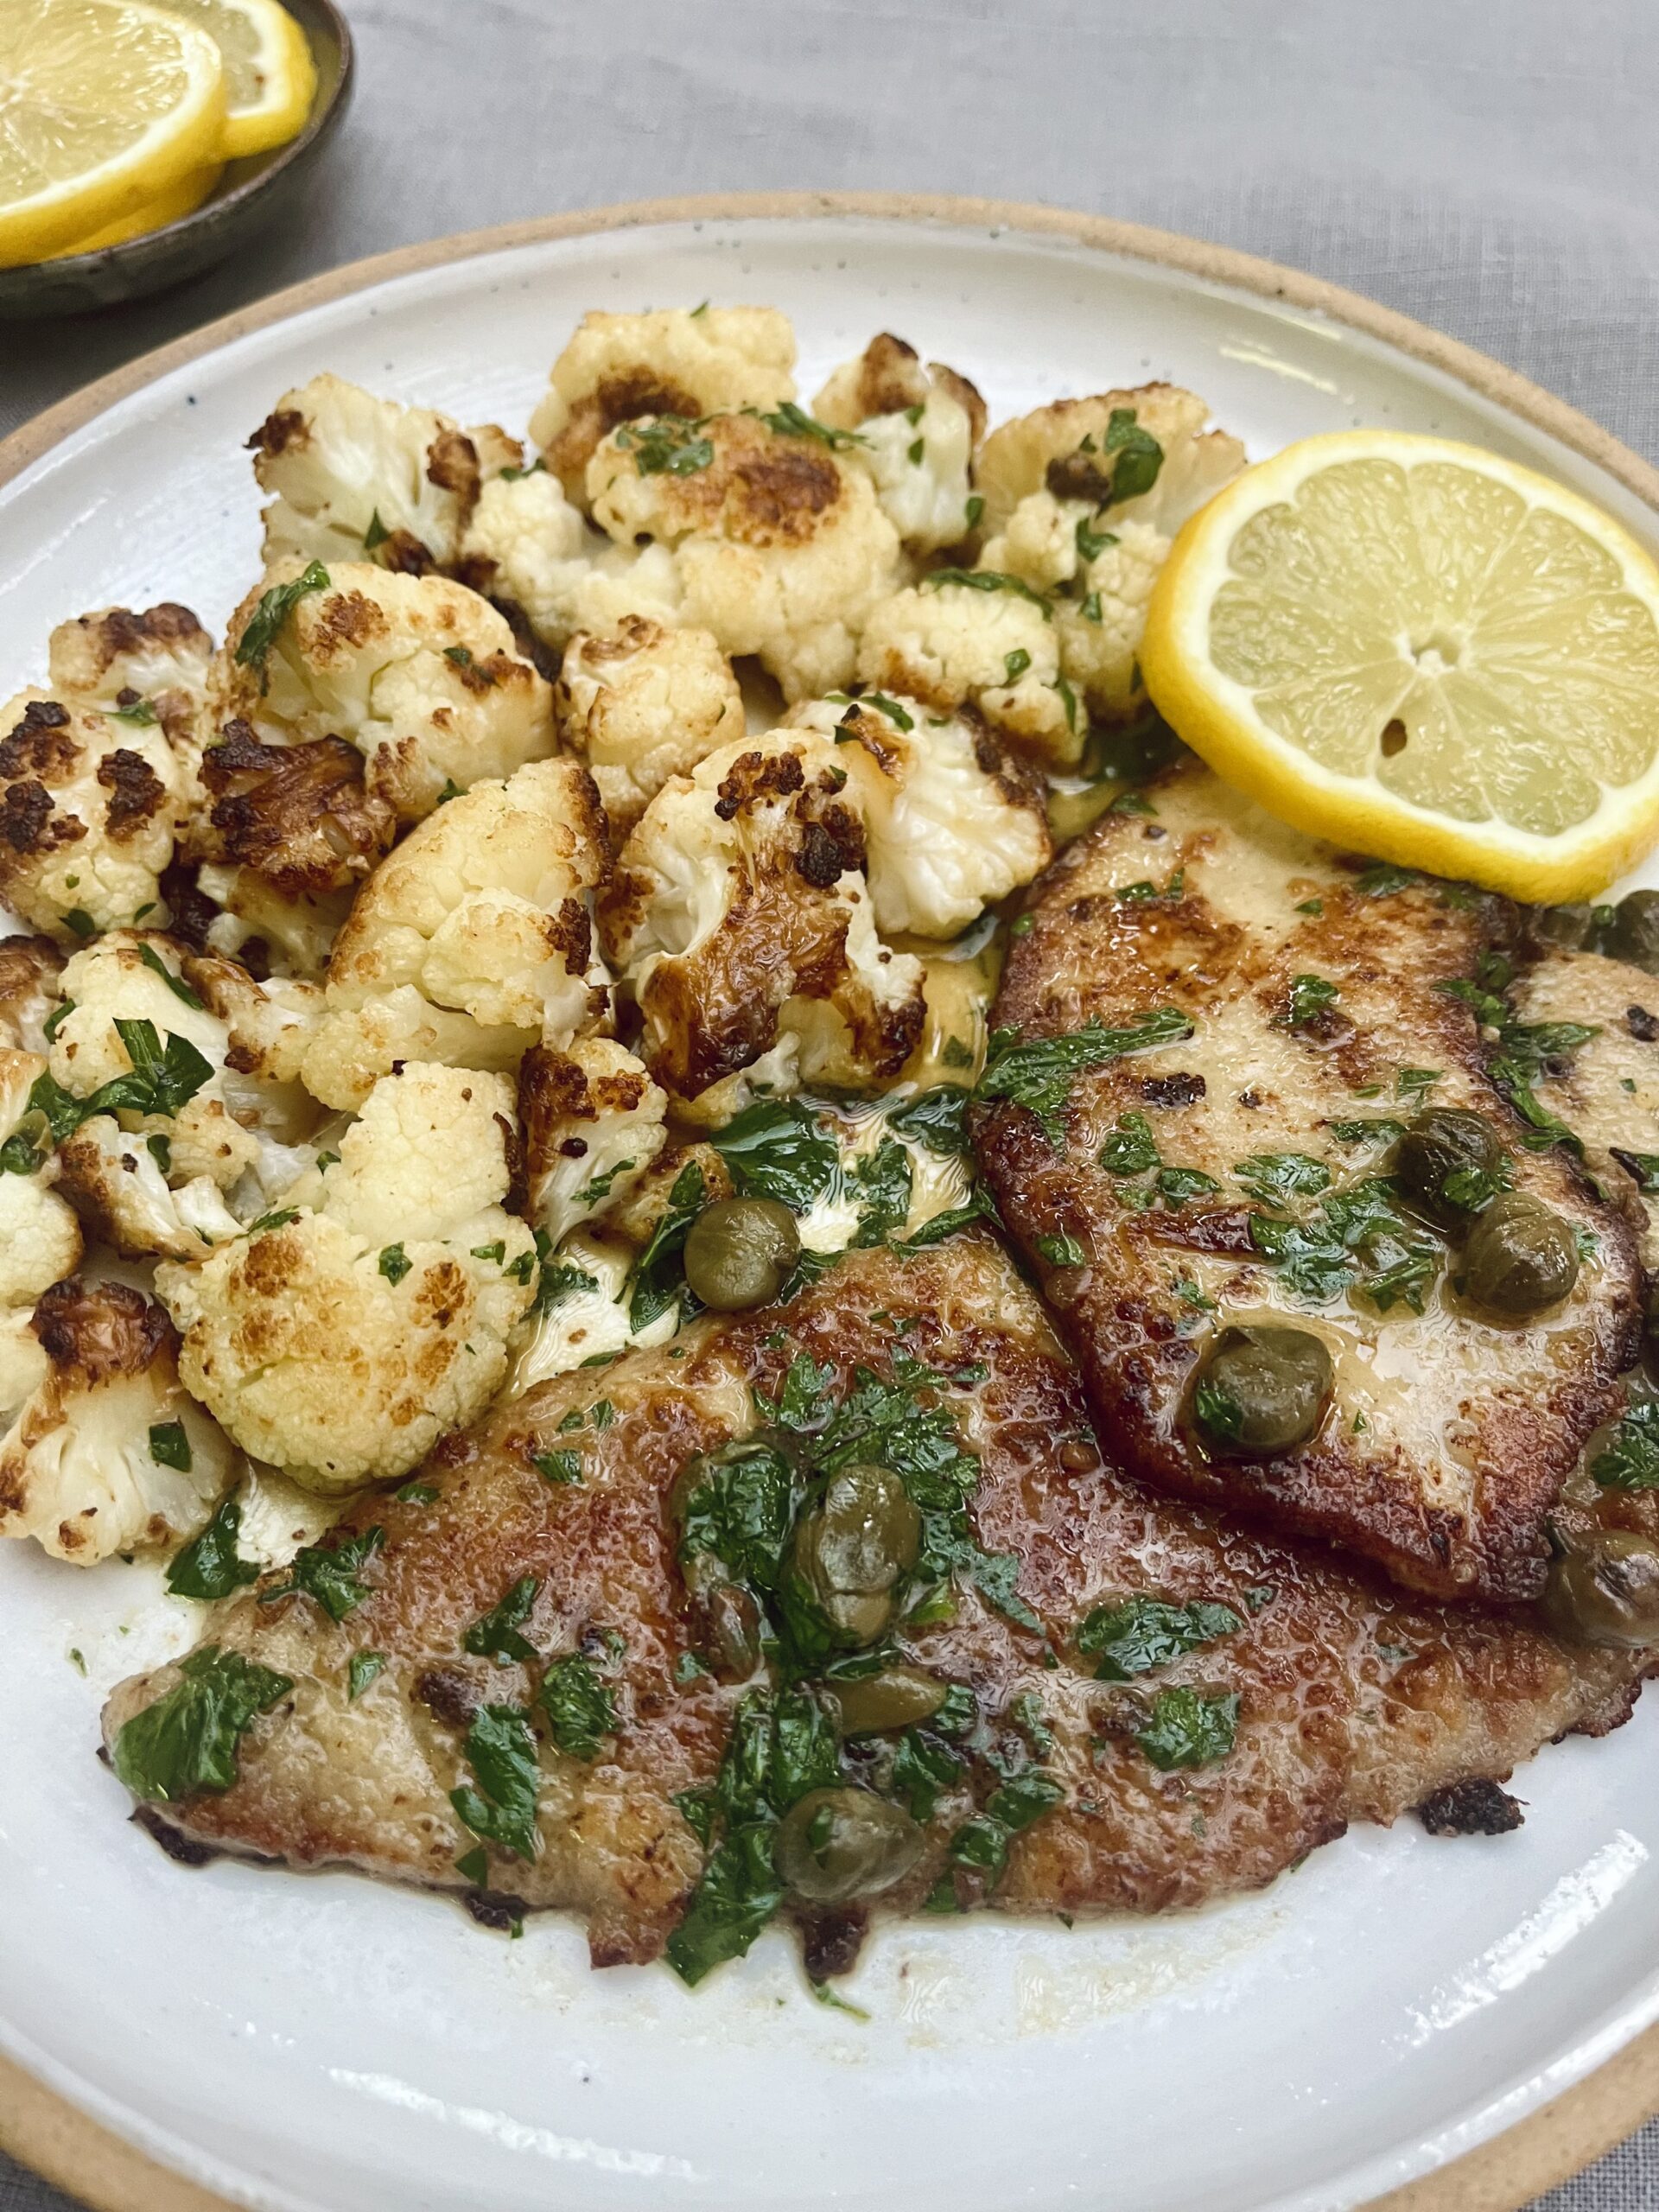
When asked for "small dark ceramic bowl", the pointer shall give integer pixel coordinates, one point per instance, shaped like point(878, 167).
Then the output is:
point(251, 193)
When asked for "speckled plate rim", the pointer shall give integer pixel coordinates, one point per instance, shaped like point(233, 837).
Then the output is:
point(73, 2150)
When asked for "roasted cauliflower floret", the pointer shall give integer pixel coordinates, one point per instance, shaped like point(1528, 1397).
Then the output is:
point(472, 941)
point(40, 1237)
point(418, 673)
point(89, 806)
point(740, 916)
point(642, 705)
point(990, 644)
point(670, 361)
point(30, 968)
point(1100, 486)
point(109, 1453)
point(139, 668)
point(952, 822)
point(147, 1168)
point(593, 1123)
point(916, 428)
point(371, 1311)
point(357, 477)
point(528, 548)
point(781, 546)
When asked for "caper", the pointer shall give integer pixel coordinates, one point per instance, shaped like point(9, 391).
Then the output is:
point(1633, 933)
point(1604, 1589)
point(895, 1697)
point(740, 1253)
point(837, 1844)
point(1442, 1143)
point(1566, 928)
point(1520, 1258)
point(731, 1625)
point(852, 1547)
point(1262, 1389)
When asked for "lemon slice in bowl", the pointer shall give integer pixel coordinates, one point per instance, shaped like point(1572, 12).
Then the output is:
point(106, 103)
point(269, 77)
point(179, 200)
point(1425, 651)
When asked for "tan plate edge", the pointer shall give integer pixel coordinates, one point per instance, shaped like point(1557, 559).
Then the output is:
point(74, 2152)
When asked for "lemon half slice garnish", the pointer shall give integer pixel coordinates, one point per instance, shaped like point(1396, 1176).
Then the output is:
point(1425, 651)
point(269, 77)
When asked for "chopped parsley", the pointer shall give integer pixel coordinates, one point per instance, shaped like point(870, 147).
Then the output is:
point(265, 624)
point(937, 1120)
point(501, 1751)
point(1131, 1149)
point(1189, 1729)
point(180, 989)
point(395, 1264)
point(187, 1741)
point(777, 1149)
point(330, 1574)
point(1141, 1633)
point(1277, 1176)
point(987, 580)
point(495, 1635)
point(581, 1710)
point(212, 1568)
point(169, 1446)
point(789, 420)
point(140, 714)
point(364, 1666)
point(1015, 664)
point(656, 1280)
point(563, 1466)
point(882, 1182)
point(1039, 1075)
point(1061, 1251)
point(1630, 1461)
point(1309, 995)
point(894, 713)
point(667, 446)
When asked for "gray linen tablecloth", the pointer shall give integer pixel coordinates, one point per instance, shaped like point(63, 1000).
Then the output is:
point(1491, 169)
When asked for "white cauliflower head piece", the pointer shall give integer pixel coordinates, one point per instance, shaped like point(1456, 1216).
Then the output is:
point(371, 1311)
point(418, 673)
point(917, 428)
point(643, 704)
point(528, 547)
point(669, 361)
point(143, 668)
point(978, 638)
point(357, 477)
point(741, 919)
point(30, 968)
point(89, 807)
point(952, 820)
point(782, 548)
point(40, 1236)
point(472, 940)
point(1084, 498)
point(109, 1452)
point(593, 1123)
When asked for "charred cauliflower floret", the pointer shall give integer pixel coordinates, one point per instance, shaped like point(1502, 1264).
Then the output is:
point(148, 1144)
point(40, 1236)
point(983, 639)
point(108, 1453)
point(670, 361)
point(1084, 498)
point(528, 547)
point(741, 918)
point(593, 1123)
point(357, 477)
point(952, 822)
point(30, 968)
point(418, 673)
point(89, 804)
point(643, 705)
point(143, 668)
point(472, 941)
point(781, 546)
point(369, 1312)
point(917, 428)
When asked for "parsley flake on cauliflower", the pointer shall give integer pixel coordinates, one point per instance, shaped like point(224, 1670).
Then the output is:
point(40, 1236)
point(371, 1311)
point(917, 431)
point(642, 705)
point(952, 820)
point(143, 668)
point(356, 476)
point(472, 940)
point(418, 673)
point(740, 918)
point(593, 1124)
point(108, 1452)
point(89, 804)
point(667, 361)
point(781, 547)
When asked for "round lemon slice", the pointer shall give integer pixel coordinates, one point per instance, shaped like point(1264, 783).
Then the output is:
point(269, 77)
point(105, 105)
point(1425, 651)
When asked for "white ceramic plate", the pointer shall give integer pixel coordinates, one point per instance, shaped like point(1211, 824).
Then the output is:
point(322, 2045)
